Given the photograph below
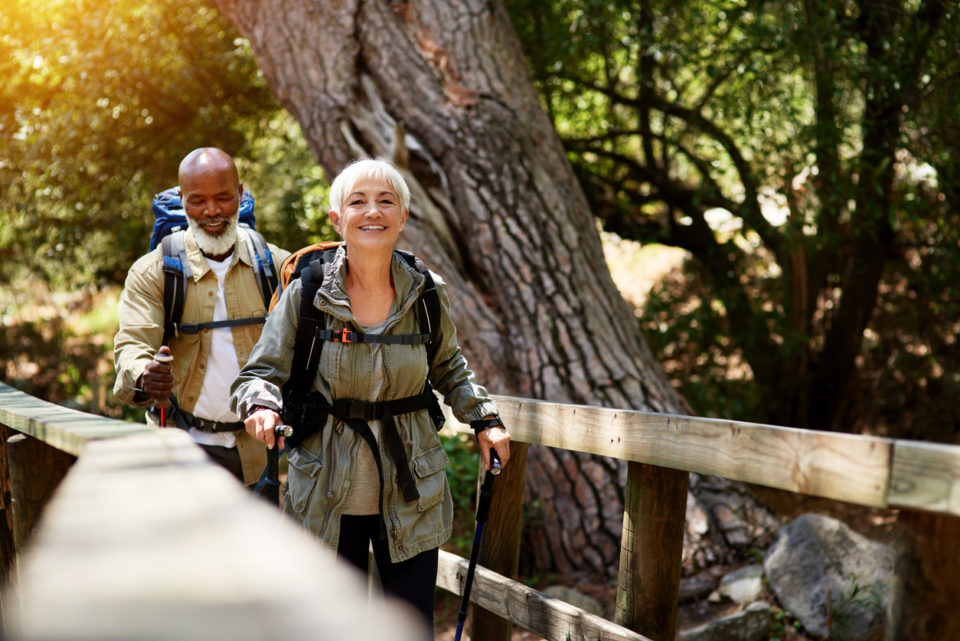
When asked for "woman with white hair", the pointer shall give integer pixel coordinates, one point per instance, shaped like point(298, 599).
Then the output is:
point(368, 466)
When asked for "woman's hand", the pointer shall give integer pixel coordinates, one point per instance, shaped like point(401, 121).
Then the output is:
point(260, 425)
point(498, 439)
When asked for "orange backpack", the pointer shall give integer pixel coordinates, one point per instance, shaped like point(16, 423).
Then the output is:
point(294, 264)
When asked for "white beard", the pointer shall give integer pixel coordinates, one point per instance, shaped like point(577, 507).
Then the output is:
point(215, 245)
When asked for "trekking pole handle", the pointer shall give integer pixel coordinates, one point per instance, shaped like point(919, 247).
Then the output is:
point(494, 462)
point(163, 358)
point(283, 430)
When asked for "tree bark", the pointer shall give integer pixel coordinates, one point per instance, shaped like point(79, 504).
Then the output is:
point(442, 88)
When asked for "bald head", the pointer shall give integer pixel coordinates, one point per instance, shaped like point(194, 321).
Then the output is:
point(204, 161)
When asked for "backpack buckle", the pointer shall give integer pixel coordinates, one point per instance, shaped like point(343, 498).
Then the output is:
point(344, 336)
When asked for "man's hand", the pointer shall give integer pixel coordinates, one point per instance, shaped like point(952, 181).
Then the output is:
point(157, 378)
point(260, 425)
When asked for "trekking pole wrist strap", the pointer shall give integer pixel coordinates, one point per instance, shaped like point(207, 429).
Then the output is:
point(485, 424)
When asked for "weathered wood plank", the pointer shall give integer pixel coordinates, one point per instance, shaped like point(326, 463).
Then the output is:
point(925, 476)
point(926, 586)
point(844, 467)
point(7, 550)
point(552, 619)
point(36, 469)
point(147, 539)
point(500, 547)
point(650, 550)
point(63, 428)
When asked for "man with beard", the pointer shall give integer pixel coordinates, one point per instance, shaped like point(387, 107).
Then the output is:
point(224, 287)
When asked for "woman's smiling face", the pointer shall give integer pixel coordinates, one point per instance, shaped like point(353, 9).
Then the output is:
point(371, 215)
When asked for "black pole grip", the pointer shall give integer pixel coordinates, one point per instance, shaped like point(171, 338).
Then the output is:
point(486, 488)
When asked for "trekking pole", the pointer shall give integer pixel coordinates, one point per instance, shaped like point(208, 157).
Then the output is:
point(483, 510)
point(163, 358)
point(271, 488)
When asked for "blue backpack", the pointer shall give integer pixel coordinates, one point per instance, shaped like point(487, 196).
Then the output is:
point(168, 230)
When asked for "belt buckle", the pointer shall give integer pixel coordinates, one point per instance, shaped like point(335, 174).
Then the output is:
point(360, 409)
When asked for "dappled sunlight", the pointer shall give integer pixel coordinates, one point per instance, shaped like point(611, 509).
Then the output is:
point(636, 268)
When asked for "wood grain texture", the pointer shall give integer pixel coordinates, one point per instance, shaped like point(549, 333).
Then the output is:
point(926, 585)
point(843, 467)
point(500, 546)
point(925, 476)
point(63, 428)
point(552, 619)
point(147, 539)
point(649, 581)
point(36, 470)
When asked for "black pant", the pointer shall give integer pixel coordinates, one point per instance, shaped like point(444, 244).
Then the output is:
point(227, 457)
point(413, 580)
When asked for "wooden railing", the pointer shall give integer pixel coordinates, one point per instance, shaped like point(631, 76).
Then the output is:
point(921, 480)
point(145, 539)
point(143, 513)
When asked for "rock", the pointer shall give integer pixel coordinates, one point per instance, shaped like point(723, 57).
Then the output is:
point(696, 586)
point(578, 599)
point(833, 580)
point(724, 520)
point(752, 624)
point(743, 585)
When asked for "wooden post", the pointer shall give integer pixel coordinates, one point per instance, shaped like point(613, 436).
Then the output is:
point(925, 594)
point(36, 470)
point(7, 549)
point(500, 548)
point(650, 550)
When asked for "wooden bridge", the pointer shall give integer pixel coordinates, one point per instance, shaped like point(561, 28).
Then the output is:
point(129, 548)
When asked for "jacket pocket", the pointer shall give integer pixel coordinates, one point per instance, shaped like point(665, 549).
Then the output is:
point(303, 473)
point(429, 468)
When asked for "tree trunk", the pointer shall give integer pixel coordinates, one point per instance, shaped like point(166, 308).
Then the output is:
point(442, 88)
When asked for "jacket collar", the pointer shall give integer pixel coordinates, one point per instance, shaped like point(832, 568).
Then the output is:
point(198, 262)
point(407, 282)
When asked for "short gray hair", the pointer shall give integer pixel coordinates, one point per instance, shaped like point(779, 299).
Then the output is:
point(377, 169)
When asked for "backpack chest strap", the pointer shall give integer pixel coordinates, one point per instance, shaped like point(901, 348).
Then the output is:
point(346, 336)
point(196, 328)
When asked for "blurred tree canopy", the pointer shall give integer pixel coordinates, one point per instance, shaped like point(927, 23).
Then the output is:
point(802, 151)
point(99, 103)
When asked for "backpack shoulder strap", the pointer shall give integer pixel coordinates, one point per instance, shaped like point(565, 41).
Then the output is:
point(176, 275)
point(428, 304)
point(263, 259)
point(312, 322)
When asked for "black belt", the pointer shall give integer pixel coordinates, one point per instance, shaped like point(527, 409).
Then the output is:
point(356, 413)
point(308, 415)
point(185, 420)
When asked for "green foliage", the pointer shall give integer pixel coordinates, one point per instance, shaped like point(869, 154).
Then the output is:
point(783, 626)
point(793, 148)
point(57, 345)
point(100, 101)
point(858, 599)
point(462, 471)
point(688, 330)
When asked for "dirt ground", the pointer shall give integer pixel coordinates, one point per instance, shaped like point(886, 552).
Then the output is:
point(876, 524)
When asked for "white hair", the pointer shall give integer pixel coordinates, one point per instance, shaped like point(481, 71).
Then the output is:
point(376, 169)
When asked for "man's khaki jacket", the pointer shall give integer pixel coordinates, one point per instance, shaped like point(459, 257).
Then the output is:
point(141, 329)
